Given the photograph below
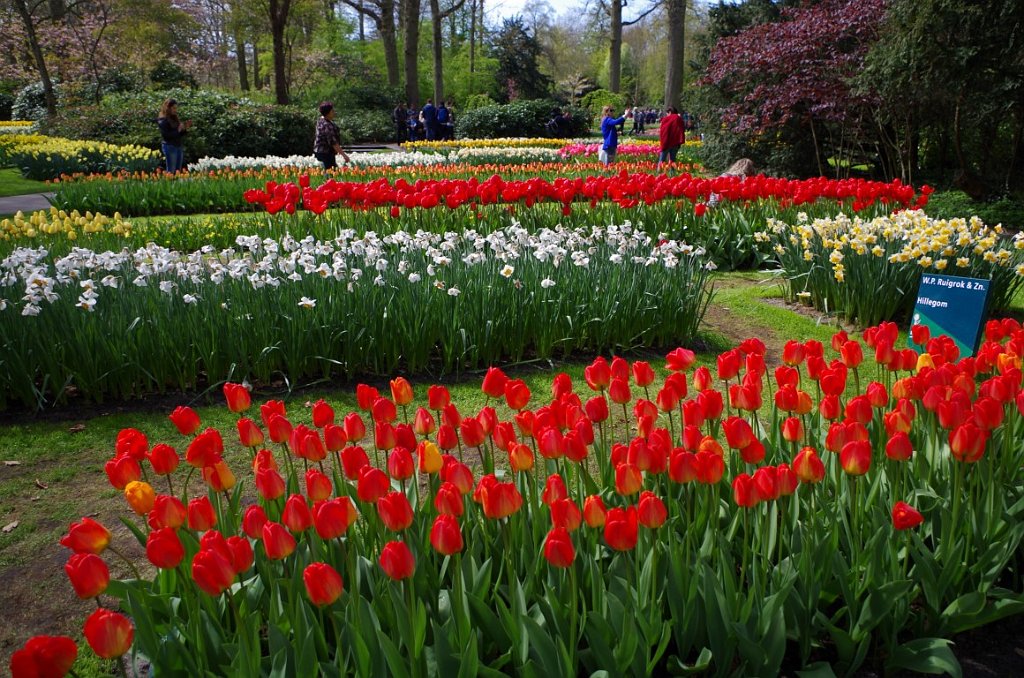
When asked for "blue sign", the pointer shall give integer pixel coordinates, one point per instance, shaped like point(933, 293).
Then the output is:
point(952, 306)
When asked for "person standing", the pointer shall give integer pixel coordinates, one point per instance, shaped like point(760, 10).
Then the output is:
point(172, 129)
point(429, 117)
point(327, 144)
point(443, 118)
point(672, 136)
point(610, 132)
point(400, 116)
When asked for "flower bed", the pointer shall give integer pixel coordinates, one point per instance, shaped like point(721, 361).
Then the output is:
point(869, 270)
point(588, 149)
point(698, 531)
point(307, 162)
point(41, 157)
point(354, 304)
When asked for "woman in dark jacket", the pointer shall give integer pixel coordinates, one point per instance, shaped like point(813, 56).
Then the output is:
point(172, 129)
point(327, 144)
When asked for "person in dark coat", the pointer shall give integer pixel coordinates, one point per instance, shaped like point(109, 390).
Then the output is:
point(327, 144)
point(671, 135)
point(172, 129)
point(429, 117)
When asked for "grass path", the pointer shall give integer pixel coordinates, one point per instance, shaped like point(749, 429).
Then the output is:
point(12, 183)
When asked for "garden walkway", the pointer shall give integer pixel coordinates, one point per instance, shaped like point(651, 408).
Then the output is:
point(25, 203)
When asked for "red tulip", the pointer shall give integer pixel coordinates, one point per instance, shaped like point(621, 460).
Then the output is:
point(269, 409)
point(786, 480)
point(855, 457)
point(401, 391)
point(499, 500)
point(318, 486)
point(702, 380)
point(242, 556)
point(494, 383)
point(565, 513)
point(594, 511)
point(109, 633)
point(400, 464)
point(744, 491)
point(333, 518)
point(201, 516)
point(132, 443)
point(121, 471)
point(185, 420)
point(793, 352)
point(366, 396)
point(253, 521)
point(458, 474)
point(643, 373)
point(219, 477)
point(86, 536)
point(355, 429)
point(323, 414)
point(905, 516)
point(729, 364)
point(396, 560)
point(446, 535)
point(598, 374)
point(438, 398)
point(448, 500)
point(852, 354)
point(334, 437)
point(680, 360)
point(766, 481)
point(651, 511)
point(561, 384)
point(278, 543)
point(920, 334)
point(554, 489)
point(517, 394)
point(859, 409)
point(237, 397)
point(168, 511)
point(710, 467)
point(877, 395)
point(792, 429)
point(279, 428)
point(205, 449)
point(619, 392)
point(899, 448)
point(753, 453)
point(296, 514)
point(738, 433)
point(270, 484)
point(323, 584)
point(621, 528)
point(163, 459)
point(558, 548)
point(249, 434)
point(808, 466)
point(967, 442)
point(44, 657)
point(88, 573)
point(212, 572)
point(164, 548)
point(395, 511)
point(628, 479)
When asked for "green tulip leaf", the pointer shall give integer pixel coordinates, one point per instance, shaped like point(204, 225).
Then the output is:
point(926, 655)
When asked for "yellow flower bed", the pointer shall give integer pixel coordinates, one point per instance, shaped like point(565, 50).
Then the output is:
point(42, 157)
point(56, 224)
point(850, 262)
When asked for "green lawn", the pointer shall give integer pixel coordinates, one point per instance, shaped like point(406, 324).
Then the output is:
point(12, 183)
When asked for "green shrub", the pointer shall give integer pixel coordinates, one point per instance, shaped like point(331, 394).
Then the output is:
point(367, 125)
point(517, 119)
point(30, 103)
point(222, 124)
point(599, 98)
point(167, 75)
point(1008, 211)
point(478, 101)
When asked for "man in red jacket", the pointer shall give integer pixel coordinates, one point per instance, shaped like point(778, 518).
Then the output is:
point(672, 136)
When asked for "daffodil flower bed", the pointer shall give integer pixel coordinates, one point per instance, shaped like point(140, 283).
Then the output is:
point(41, 157)
point(654, 520)
point(354, 304)
point(53, 224)
point(869, 269)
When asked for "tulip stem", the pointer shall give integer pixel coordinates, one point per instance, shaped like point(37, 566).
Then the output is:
point(170, 484)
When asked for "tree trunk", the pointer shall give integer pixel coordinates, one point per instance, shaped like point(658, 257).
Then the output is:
point(278, 23)
point(615, 46)
point(257, 81)
point(472, 43)
point(362, 23)
point(243, 69)
point(411, 21)
point(438, 48)
point(388, 36)
point(37, 55)
point(674, 71)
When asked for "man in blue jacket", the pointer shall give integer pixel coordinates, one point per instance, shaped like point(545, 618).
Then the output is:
point(429, 116)
point(610, 132)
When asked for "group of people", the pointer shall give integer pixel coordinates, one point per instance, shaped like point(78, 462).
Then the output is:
point(671, 134)
point(430, 123)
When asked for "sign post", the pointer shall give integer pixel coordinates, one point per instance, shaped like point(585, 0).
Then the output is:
point(952, 306)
